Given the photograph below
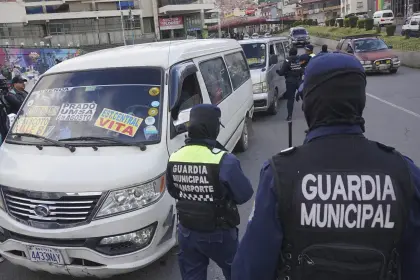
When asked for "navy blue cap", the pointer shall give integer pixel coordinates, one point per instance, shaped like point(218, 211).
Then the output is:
point(309, 47)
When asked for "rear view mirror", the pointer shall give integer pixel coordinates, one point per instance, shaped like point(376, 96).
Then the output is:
point(273, 59)
point(177, 75)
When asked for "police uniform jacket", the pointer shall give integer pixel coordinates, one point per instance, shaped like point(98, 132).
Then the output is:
point(222, 172)
point(258, 255)
point(291, 70)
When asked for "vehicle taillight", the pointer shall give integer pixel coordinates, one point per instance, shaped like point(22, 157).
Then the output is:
point(382, 19)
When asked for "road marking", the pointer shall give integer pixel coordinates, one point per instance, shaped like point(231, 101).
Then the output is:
point(394, 105)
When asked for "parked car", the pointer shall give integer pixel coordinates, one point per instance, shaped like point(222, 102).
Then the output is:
point(246, 37)
point(374, 54)
point(267, 35)
point(299, 36)
point(384, 17)
point(83, 189)
point(265, 56)
point(411, 27)
point(255, 36)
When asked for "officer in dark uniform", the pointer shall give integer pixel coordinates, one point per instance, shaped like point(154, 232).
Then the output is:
point(303, 60)
point(292, 71)
point(208, 183)
point(309, 50)
point(340, 206)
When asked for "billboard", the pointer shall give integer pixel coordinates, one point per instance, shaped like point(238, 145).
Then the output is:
point(171, 23)
point(31, 63)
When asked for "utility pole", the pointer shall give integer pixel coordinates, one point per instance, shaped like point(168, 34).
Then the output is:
point(219, 22)
point(122, 22)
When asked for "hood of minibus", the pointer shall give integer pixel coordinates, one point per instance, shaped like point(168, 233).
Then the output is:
point(56, 169)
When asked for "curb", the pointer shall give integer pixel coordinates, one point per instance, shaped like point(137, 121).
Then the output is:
point(409, 59)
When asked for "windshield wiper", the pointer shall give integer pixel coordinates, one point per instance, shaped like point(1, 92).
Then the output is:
point(108, 139)
point(40, 147)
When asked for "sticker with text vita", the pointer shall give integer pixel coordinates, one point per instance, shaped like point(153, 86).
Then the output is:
point(77, 112)
point(154, 91)
point(32, 125)
point(118, 122)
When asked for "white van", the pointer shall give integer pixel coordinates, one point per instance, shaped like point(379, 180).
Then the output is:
point(82, 172)
point(265, 56)
point(412, 27)
point(385, 17)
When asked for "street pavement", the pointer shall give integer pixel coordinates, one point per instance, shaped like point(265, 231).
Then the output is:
point(392, 117)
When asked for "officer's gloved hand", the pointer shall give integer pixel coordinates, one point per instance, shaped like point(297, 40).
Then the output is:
point(297, 97)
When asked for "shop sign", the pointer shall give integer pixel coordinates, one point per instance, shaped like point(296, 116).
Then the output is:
point(171, 23)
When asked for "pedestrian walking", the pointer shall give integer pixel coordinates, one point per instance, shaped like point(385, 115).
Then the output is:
point(208, 184)
point(340, 206)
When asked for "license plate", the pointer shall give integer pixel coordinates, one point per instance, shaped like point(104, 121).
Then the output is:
point(383, 66)
point(45, 254)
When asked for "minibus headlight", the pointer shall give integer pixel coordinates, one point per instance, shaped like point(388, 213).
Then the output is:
point(132, 198)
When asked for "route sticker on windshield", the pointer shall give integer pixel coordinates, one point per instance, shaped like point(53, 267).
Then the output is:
point(48, 131)
point(153, 112)
point(77, 112)
point(33, 125)
point(150, 131)
point(149, 120)
point(118, 122)
point(154, 91)
point(155, 104)
point(252, 60)
point(42, 111)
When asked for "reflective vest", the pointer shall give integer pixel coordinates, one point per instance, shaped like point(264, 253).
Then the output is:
point(193, 173)
point(344, 202)
point(312, 55)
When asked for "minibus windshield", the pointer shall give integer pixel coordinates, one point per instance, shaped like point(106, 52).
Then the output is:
point(85, 106)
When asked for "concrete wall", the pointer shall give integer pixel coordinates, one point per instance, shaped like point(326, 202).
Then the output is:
point(106, 6)
point(12, 12)
point(409, 59)
point(79, 7)
point(147, 7)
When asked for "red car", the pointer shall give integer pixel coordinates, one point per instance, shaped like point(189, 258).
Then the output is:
point(372, 52)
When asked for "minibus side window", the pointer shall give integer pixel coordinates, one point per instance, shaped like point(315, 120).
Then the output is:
point(191, 93)
point(216, 79)
point(238, 68)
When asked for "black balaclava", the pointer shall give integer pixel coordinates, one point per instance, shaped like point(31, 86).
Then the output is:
point(204, 122)
point(334, 91)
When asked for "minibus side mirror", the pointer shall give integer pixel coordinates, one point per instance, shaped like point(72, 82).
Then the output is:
point(177, 75)
point(180, 125)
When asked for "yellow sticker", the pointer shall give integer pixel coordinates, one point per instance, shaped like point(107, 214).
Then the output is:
point(118, 122)
point(42, 111)
point(32, 125)
point(154, 91)
point(252, 60)
point(153, 112)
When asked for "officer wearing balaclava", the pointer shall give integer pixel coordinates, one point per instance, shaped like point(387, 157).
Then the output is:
point(207, 183)
point(292, 71)
point(340, 206)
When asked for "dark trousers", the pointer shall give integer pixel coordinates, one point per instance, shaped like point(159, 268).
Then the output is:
point(290, 96)
point(196, 248)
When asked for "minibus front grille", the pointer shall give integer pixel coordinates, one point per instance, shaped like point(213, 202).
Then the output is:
point(54, 209)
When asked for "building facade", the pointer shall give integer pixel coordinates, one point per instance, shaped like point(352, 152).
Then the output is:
point(319, 10)
point(99, 22)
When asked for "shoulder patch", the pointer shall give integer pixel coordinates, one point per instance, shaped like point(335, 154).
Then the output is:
point(385, 147)
point(288, 151)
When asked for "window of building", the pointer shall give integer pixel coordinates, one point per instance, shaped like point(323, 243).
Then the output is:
point(216, 78)
point(63, 8)
point(238, 69)
point(125, 5)
point(34, 10)
point(359, 5)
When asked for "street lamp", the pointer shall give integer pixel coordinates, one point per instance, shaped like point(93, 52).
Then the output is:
point(122, 22)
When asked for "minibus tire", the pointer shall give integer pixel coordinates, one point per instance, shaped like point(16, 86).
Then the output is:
point(274, 107)
point(243, 142)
